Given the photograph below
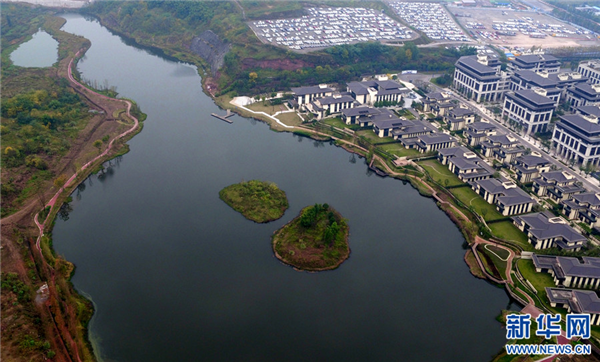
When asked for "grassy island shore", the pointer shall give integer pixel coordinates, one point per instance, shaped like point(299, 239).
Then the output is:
point(315, 240)
point(259, 201)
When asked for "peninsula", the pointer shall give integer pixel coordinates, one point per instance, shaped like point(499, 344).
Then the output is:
point(316, 240)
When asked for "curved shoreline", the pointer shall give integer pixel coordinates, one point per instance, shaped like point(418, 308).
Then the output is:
point(311, 270)
point(78, 177)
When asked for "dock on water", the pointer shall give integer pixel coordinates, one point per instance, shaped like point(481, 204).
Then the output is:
point(225, 117)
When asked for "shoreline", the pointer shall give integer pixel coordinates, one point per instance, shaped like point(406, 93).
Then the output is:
point(312, 270)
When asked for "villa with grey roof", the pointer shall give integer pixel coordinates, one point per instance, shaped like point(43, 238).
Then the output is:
point(478, 132)
point(438, 103)
point(465, 164)
point(535, 62)
point(577, 137)
point(584, 207)
point(544, 230)
point(409, 130)
point(434, 141)
point(479, 77)
point(508, 197)
point(362, 115)
point(305, 95)
point(576, 301)
point(330, 105)
point(570, 272)
point(528, 167)
point(378, 90)
point(459, 117)
point(504, 148)
point(556, 185)
point(530, 108)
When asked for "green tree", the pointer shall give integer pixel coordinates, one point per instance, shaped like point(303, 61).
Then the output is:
point(98, 145)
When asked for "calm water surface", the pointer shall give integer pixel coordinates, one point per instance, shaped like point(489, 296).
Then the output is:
point(41, 51)
point(177, 275)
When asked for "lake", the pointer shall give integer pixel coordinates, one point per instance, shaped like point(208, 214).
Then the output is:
point(177, 275)
point(38, 52)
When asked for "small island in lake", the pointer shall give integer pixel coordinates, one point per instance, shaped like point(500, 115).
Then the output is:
point(259, 201)
point(315, 240)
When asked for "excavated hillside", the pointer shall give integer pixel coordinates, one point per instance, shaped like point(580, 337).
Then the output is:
point(210, 48)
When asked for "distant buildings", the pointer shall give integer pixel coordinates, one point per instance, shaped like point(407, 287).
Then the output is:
point(535, 62)
point(544, 230)
point(530, 108)
point(479, 78)
point(590, 69)
point(576, 137)
point(583, 94)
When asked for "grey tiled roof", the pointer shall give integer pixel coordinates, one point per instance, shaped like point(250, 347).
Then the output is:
point(431, 139)
point(568, 266)
point(587, 198)
point(589, 110)
point(580, 301)
point(481, 126)
point(508, 196)
point(542, 228)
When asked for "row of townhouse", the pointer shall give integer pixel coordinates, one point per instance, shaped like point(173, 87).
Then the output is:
point(468, 167)
point(323, 100)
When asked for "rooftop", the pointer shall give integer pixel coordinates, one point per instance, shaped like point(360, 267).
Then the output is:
point(544, 225)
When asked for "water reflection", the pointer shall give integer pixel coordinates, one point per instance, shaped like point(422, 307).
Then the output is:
point(41, 51)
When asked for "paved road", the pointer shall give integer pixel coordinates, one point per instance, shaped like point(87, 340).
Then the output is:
point(80, 88)
point(588, 182)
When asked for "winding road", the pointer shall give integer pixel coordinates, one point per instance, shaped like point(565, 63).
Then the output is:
point(83, 89)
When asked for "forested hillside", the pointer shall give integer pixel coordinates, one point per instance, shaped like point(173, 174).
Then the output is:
point(252, 67)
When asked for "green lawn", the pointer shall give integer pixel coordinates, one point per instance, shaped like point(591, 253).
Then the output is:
point(501, 253)
point(440, 173)
point(399, 150)
point(337, 122)
point(471, 199)
point(373, 138)
point(508, 231)
point(499, 264)
point(290, 119)
point(260, 107)
point(539, 282)
point(406, 113)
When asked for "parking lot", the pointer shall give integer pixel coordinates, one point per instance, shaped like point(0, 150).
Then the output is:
point(430, 18)
point(325, 27)
point(521, 28)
